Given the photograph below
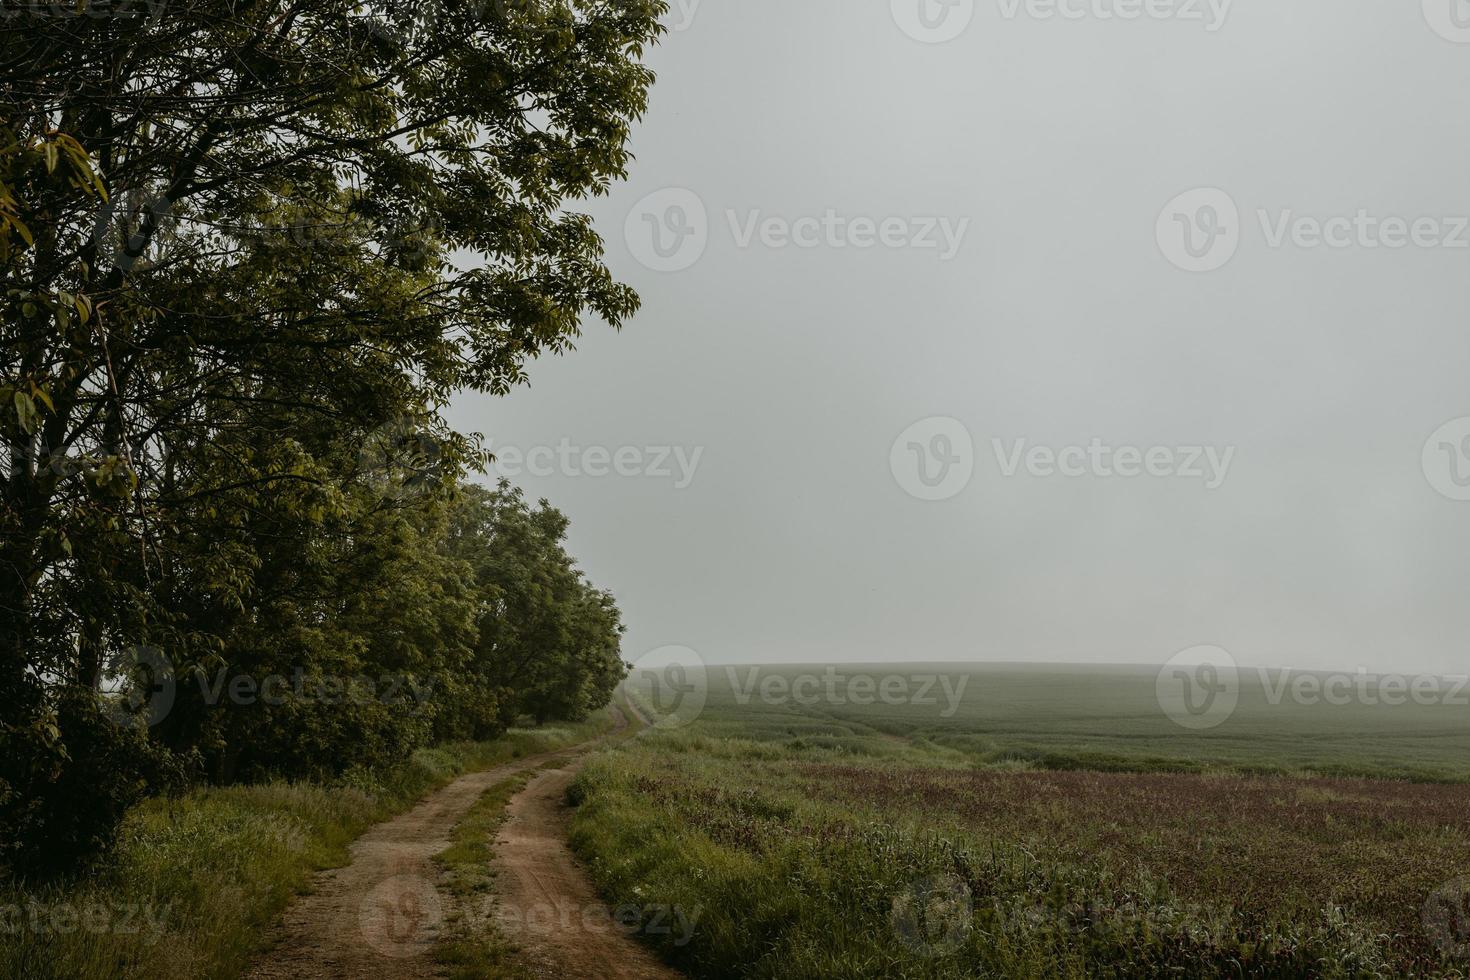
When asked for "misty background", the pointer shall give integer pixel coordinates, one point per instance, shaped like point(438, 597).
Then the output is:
point(1058, 320)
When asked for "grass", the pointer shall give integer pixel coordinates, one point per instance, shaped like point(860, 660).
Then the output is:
point(1096, 718)
point(1048, 822)
point(1052, 826)
point(198, 881)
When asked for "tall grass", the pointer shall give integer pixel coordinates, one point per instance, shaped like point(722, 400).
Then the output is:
point(791, 884)
point(198, 881)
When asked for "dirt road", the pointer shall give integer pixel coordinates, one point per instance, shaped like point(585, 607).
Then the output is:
point(380, 915)
point(547, 905)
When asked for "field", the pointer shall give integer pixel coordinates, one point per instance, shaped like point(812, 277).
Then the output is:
point(1046, 822)
point(1094, 717)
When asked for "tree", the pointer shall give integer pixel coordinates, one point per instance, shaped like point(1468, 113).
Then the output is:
point(226, 235)
point(547, 639)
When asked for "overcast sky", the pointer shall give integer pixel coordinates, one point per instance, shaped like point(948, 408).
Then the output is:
point(919, 281)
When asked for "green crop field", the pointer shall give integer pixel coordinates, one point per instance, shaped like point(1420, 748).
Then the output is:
point(1065, 716)
point(1037, 822)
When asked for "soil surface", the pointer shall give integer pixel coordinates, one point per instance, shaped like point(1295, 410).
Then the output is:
point(380, 915)
point(547, 906)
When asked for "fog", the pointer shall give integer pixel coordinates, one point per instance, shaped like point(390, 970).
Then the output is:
point(1087, 331)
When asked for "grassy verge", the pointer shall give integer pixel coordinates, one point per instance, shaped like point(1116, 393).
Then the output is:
point(197, 881)
point(884, 860)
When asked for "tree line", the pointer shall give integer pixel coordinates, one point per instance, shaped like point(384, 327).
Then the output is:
point(250, 250)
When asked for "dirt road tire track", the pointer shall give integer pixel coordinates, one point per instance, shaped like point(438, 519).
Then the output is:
point(547, 904)
point(379, 916)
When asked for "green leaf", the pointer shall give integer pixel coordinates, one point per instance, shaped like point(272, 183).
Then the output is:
point(25, 412)
point(40, 393)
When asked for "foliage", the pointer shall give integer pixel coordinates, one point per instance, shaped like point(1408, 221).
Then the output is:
point(249, 250)
point(547, 638)
point(98, 770)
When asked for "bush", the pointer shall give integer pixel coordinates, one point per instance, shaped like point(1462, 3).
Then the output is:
point(67, 784)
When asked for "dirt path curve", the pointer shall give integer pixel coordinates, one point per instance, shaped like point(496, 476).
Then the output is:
point(378, 917)
point(639, 713)
point(546, 903)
